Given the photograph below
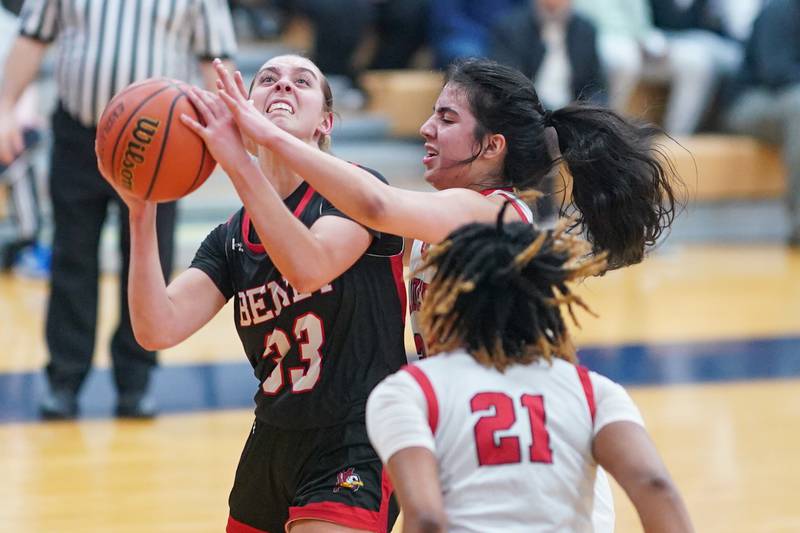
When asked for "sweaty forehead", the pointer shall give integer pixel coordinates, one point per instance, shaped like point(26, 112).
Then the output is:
point(291, 62)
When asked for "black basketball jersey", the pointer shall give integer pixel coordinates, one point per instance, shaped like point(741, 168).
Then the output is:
point(317, 356)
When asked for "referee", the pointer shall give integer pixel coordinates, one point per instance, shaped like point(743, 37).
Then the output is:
point(102, 46)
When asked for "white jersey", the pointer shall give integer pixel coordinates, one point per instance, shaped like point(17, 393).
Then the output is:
point(513, 448)
point(419, 283)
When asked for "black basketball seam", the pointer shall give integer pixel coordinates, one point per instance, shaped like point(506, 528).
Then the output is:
point(164, 142)
point(122, 130)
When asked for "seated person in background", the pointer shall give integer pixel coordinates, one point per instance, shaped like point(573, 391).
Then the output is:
point(515, 441)
point(633, 48)
point(555, 47)
point(765, 99)
point(460, 28)
point(340, 27)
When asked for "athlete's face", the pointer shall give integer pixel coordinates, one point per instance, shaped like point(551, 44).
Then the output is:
point(449, 140)
point(289, 91)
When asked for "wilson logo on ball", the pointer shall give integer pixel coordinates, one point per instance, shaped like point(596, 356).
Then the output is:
point(143, 147)
point(143, 134)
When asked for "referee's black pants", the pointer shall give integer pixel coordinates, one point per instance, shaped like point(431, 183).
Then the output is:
point(80, 198)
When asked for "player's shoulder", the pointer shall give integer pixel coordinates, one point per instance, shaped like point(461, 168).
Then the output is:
point(443, 366)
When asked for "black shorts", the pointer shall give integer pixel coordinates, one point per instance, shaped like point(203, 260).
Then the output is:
point(330, 474)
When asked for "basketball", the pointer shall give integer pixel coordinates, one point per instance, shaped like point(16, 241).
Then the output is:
point(144, 147)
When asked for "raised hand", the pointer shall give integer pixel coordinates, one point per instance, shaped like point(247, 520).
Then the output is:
point(219, 130)
point(252, 122)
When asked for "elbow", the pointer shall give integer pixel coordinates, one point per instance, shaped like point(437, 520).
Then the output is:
point(375, 209)
point(659, 485)
point(151, 340)
point(306, 282)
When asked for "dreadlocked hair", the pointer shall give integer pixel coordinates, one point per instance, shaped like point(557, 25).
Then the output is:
point(498, 291)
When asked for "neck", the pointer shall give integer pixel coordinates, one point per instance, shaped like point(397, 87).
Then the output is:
point(283, 179)
point(488, 183)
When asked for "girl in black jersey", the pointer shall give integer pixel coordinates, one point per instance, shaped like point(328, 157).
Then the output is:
point(318, 305)
point(488, 137)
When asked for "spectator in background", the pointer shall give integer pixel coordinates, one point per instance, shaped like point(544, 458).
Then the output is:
point(556, 48)
point(19, 175)
point(682, 53)
point(103, 46)
point(765, 100)
point(553, 46)
point(461, 28)
point(340, 27)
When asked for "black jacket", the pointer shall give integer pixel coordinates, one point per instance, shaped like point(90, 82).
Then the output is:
point(516, 41)
point(772, 55)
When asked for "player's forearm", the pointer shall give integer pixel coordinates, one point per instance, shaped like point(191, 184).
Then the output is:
point(21, 67)
point(291, 247)
point(350, 188)
point(151, 309)
point(660, 506)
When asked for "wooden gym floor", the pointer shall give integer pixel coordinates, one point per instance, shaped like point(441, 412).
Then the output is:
point(706, 338)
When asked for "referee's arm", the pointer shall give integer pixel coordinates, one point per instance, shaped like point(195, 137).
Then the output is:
point(21, 68)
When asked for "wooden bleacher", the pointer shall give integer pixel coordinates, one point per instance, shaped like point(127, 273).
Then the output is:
point(715, 167)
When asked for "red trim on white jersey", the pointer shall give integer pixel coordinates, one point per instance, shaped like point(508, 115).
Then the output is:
point(337, 513)
point(258, 248)
point(588, 389)
point(508, 194)
point(397, 274)
point(430, 396)
point(234, 526)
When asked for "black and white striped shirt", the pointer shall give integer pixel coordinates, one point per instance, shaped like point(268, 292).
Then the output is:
point(105, 45)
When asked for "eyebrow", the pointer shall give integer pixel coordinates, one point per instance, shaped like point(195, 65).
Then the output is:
point(277, 71)
point(445, 109)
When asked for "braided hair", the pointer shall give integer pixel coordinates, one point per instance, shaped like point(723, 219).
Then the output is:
point(498, 291)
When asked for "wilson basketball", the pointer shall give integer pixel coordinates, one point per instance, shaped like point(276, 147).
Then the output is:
point(144, 146)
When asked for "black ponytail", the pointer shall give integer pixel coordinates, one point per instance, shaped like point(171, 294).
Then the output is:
point(622, 185)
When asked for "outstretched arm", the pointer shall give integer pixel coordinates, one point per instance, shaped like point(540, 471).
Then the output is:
point(308, 258)
point(427, 216)
point(625, 450)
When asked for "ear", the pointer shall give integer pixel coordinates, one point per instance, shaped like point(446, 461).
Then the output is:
point(326, 124)
point(495, 146)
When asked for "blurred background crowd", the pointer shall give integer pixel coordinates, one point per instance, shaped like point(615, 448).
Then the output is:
point(726, 67)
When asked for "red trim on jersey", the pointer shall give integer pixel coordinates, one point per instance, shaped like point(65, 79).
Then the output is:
point(386, 495)
point(588, 389)
point(234, 526)
point(487, 192)
point(430, 396)
point(258, 248)
point(514, 203)
point(337, 513)
point(397, 274)
point(513, 199)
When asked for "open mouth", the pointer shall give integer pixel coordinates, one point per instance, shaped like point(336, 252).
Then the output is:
point(280, 106)
point(430, 154)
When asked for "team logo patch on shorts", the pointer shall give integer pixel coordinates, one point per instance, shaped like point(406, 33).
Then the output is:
point(348, 479)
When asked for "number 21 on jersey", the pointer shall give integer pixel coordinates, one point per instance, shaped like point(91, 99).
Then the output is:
point(308, 333)
point(495, 450)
